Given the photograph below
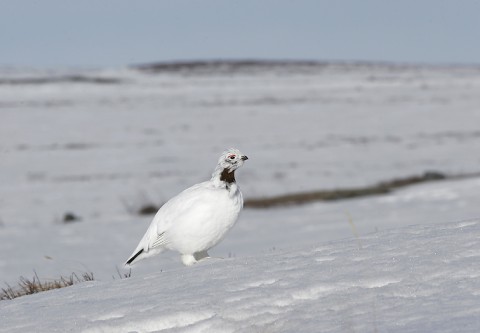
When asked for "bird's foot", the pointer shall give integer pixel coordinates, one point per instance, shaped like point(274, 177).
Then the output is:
point(190, 259)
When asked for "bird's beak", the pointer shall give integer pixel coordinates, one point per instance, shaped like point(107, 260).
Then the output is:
point(244, 158)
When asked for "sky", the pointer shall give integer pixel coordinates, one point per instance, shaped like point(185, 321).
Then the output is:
point(87, 33)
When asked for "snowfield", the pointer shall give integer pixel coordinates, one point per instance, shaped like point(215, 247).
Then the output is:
point(102, 144)
point(414, 279)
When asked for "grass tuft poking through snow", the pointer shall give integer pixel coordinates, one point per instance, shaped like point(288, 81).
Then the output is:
point(35, 285)
point(123, 275)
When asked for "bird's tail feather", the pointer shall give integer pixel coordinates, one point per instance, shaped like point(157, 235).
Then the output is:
point(140, 254)
point(132, 258)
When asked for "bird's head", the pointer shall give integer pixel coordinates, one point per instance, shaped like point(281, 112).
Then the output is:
point(232, 159)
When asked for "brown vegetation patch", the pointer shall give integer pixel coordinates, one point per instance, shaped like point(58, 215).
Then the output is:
point(384, 187)
point(32, 286)
point(340, 194)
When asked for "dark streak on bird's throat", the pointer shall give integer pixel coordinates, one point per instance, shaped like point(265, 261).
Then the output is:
point(227, 176)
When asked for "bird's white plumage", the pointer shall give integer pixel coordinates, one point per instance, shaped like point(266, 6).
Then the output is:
point(198, 218)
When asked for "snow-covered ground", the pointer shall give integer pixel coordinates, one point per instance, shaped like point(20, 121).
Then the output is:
point(97, 149)
point(414, 279)
point(101, 144)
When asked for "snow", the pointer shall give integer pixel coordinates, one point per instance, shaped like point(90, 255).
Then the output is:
point(413, 279)
point(102, 150)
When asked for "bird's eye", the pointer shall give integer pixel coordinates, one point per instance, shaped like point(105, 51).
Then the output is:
point(232, 157)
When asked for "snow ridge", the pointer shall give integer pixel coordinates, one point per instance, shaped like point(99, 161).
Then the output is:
point(414, 279)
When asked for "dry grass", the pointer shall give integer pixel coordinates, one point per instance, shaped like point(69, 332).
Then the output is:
point(31, 286)
point(123, 275)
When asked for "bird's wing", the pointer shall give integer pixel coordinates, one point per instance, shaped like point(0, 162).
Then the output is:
point(187, 203)
point(159, 241)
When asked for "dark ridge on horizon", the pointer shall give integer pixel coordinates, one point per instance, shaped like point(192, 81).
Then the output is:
point(252, 65)
point(247, 65)
point(59, 79)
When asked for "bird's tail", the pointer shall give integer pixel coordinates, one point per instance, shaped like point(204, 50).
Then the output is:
point(131, 260)
point(140, 253)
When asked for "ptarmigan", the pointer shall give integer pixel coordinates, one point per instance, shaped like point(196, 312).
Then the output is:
point(196, 219)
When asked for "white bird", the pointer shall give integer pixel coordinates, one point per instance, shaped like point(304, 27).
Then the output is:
point(198, 218)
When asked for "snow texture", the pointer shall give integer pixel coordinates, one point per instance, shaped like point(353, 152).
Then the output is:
point(101, 144)
point(415, 279)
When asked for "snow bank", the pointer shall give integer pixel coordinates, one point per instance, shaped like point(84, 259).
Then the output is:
point(414, 279)
point(101, 144)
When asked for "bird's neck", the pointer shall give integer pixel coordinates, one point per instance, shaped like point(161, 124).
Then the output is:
point(223, 176)
point(227, 176)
